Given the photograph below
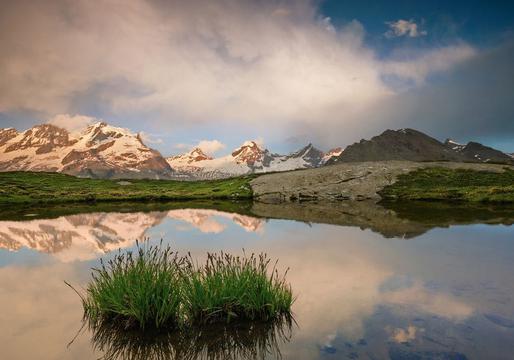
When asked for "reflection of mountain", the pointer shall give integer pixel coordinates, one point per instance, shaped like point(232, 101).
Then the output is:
point(85, 236)
point(404, 220)
point(78, 237)
point(205, 220)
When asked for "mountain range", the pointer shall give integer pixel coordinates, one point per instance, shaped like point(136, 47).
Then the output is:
point(248, 158)
point(104, 151)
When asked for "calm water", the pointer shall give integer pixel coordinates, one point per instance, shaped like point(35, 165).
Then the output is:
point(372, 283)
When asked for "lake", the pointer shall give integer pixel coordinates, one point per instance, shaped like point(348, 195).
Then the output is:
point(404, 281)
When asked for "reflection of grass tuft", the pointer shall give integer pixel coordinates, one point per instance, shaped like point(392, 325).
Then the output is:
point(155, 288)
point(452, 184)
point(251, 340)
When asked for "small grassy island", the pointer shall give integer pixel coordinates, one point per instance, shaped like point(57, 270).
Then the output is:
point(41, 187)
point(156, 289)
point(442, 184)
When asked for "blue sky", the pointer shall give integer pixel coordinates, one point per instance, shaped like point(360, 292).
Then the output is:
point(283, 72)
point(483, 23)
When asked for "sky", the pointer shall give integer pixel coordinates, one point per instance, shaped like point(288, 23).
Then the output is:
point(215, 73)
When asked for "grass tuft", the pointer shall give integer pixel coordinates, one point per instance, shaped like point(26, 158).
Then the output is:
point(154, 288)
point(139, 289)
point(231, 288)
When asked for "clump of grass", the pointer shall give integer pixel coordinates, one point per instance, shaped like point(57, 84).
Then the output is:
point(231, 288)
point(137, 290)
point(154, 288)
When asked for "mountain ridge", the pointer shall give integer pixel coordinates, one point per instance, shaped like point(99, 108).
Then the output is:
point(104, 151)
point(413, 145)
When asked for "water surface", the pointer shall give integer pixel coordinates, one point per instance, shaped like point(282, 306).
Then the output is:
point(373, 282)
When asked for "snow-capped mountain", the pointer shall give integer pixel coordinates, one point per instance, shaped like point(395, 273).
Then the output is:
point(104, 151)
point(331, 153)
point(100, 150)
point(452, 144)
point(246, 159)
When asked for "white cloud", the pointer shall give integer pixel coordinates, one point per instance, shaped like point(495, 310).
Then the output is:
point(210, 147)
point(150, 138)
point(269, 66)
point(404, 28)
point(72, 123)
point(419, 65)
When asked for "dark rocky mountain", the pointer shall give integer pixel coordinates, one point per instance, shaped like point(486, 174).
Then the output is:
point(413, 145)
point(404, 144)
point(310, 154)
point(476, 152)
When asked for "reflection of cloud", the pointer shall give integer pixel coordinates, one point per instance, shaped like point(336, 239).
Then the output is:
point(424, 300)
point(204, 220)
point(404, 335)
point(340, 290)
point(40, 314)
point(198, 219)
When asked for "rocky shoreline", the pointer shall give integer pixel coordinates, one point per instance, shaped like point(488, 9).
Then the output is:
point(348, 181)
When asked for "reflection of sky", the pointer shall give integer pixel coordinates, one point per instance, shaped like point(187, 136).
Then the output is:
point(359, 294)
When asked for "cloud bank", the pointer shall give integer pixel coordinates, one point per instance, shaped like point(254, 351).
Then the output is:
point(277, 67)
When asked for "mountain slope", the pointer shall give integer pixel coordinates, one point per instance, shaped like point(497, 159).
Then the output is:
point(404, 144)
point(413, 145)
point(99, 151)
point(476, 152)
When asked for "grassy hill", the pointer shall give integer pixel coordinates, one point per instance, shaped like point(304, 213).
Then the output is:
point(437, 184)
point(41, 187)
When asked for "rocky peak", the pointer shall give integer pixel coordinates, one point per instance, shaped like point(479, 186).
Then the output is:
point(192, 156)
point(44, 138)
point(310, 154)
point(335, 151)
point(451, 144)
point(7, 134)
point(101, 132)
point(332, 153)
point(402, 144)
point(248, 153)
point(198, 155)
point(474, 151)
